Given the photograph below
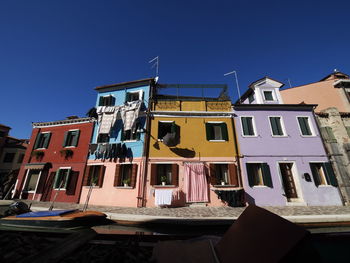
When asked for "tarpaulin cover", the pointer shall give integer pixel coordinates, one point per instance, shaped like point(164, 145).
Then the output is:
point(46, 213)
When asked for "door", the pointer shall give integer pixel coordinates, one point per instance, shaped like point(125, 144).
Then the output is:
point(196, 186)
point(288, 180)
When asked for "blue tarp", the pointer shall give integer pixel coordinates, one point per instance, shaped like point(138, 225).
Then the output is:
point(46, 213)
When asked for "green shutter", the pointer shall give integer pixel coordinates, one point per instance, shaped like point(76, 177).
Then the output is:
point(331, 135)
point(56, 179)
point(224, 131)
point(127, 96)
point(245, 126)
point(324, 134)
point(250, 175)
point(47, 140)
point(315, 174)
point(37, 140)
point(267, 175)
point(274, 126)
point(304, 125)
point(209, 131)
point(330, 174)
point(65, 138)
point(76, 138)
point(100, 103)
point(66, 179)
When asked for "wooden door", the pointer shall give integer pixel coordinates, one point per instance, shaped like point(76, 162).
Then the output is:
point(288, 180)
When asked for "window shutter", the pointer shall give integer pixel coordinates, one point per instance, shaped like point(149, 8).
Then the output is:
point(348, 130)
point(100, 103)
point(245, 126)
point(224, 131)
point(274, 126)
point(112, 101)
point(324, 134)
point(133, 176)
point(57, 183)
point(73, 179)
point(86, 175)
point(232, 170)
point(213, 178)
point(330, 174)
point(153, 174)
point(117, 175)
point(47, 140)
point(250, 174)
point(175, 174)
point(65, 138)
point(302, 126)
point(37, 140)
point(209, 131)
point(330, 133)
point(66, 179)
point(127, 97)
point(267, 175)
point(315, 174)
point(101, 176)
point(76, 138)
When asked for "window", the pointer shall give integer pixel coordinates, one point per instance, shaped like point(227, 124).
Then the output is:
point(42, 140)
point(133, 96)
point(106, 101)
point(276, 126)
point(248, 126)
point(304, 125)
point(8, 158)
point(216, 131)
point(94, 175)
point(2, 134)
point(327, 134)
point(251, 98)
point(20, 158)
point(131, 135)
point(259, 174)
point(268, 96)
point(164, 128)
point(103, 137)
point(71, 138)
point(32, 180)
point(125, 175)
point(62, 178)
point(323, 174)
point(223, 174)
point(167, 173)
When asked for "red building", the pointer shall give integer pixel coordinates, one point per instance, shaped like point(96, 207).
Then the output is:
point(54, 163)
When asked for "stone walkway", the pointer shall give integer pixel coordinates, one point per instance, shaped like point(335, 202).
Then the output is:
point(203, 212)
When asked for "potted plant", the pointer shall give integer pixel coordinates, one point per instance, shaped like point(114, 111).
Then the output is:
point(223, 182)
point(163, 179)
point(38, 154)
point(126, 182)
point(66, 153)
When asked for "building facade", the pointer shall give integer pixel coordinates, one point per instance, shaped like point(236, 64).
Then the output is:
point(283, 159)
point(55, 160)
point(115, 166)
point(192, 153)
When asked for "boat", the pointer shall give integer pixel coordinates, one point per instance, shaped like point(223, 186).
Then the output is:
point(63, 219)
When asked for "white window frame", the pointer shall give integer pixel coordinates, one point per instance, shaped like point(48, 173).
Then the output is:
point(71, 131)
point(140, 92)
point(282, 126)
point(63, 168)
point(217, 122)
point(324, 174)
point(104, 96)
point(274, 98)
point(313, 133)
point(254, 127)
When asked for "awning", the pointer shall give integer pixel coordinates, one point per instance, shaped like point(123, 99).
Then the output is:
point(35, 166)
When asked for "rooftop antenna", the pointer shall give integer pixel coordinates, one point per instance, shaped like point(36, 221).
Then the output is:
point(290, 85)
point(235, 73)
point(155, 62)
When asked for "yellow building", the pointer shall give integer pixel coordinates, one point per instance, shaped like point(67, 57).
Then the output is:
point(192, 152)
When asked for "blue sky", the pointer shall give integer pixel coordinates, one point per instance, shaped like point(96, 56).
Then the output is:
point(53, 53)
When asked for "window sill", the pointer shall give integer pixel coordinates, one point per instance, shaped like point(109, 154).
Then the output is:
point(260, 186)
point(279, 136)
point(164, 186)
point(232, 187)
point(39, 149)
point(225, 186)
point(325, 185)
point(307, 136)
point(29, 192)
point(69, 146)
point(59, 189)
point(217, 141)
point(124, 187)
point(250, 136)
point(130, 141)
point(88, 186)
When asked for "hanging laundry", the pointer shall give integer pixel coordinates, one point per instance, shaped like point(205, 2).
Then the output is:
point(163, 196)
point(129, 113)
point(92, 148)
point(234, 198)
point(196, 185)
point(124, 151)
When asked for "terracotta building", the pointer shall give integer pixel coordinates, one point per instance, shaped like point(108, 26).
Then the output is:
point(55, 160)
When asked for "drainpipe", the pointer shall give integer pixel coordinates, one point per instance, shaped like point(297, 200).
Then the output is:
point(237, 152)
point(329, 155)
point(141, 198)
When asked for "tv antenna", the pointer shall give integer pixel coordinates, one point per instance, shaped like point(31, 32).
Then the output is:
point(155, 62)
point(235, 73)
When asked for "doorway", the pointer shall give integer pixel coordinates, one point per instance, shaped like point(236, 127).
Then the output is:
point(286, 170)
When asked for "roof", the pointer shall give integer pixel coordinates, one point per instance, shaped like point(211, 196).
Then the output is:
point(274, 106)
point(62, 122)
point(337, 74)
point(251, 85)
point(194, 98)
point(2, 125)
point(128, 83)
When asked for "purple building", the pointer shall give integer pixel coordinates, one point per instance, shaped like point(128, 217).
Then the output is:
point(283, 160)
